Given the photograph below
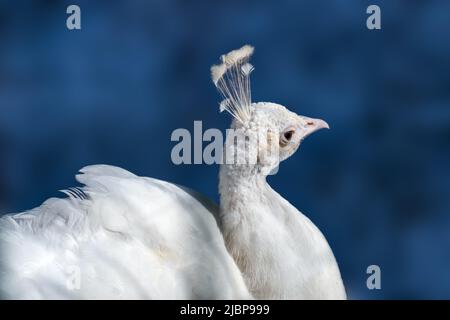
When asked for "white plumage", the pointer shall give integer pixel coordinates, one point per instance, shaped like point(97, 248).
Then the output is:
point(122, 236)
point(133, 237)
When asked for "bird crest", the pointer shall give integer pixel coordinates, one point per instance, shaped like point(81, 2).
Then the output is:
point(232, 79)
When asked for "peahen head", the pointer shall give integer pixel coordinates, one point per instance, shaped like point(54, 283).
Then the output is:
point(264, 133)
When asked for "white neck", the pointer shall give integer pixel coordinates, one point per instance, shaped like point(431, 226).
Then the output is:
point(237, 186)
point(279, 251)
point(245, 212)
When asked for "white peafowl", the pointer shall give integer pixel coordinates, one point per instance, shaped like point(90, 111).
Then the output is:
point(121, 236)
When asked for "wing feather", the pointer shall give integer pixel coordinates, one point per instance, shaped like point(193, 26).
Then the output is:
point(130, 237)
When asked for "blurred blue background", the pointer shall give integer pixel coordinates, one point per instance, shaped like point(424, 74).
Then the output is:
point(377, 184)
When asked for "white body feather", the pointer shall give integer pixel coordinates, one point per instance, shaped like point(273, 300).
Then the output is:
point(141, 238)
point(133, 238)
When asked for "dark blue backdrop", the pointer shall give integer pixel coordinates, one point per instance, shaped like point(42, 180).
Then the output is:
point(377, 184)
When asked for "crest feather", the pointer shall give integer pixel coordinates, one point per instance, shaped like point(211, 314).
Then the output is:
point(232, 79)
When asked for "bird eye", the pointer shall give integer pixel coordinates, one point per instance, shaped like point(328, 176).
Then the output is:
point(286, 137)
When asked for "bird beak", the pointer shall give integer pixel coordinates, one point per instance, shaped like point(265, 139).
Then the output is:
point(310, 125)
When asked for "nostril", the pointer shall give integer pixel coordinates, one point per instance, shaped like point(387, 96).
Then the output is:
point(310, 123)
